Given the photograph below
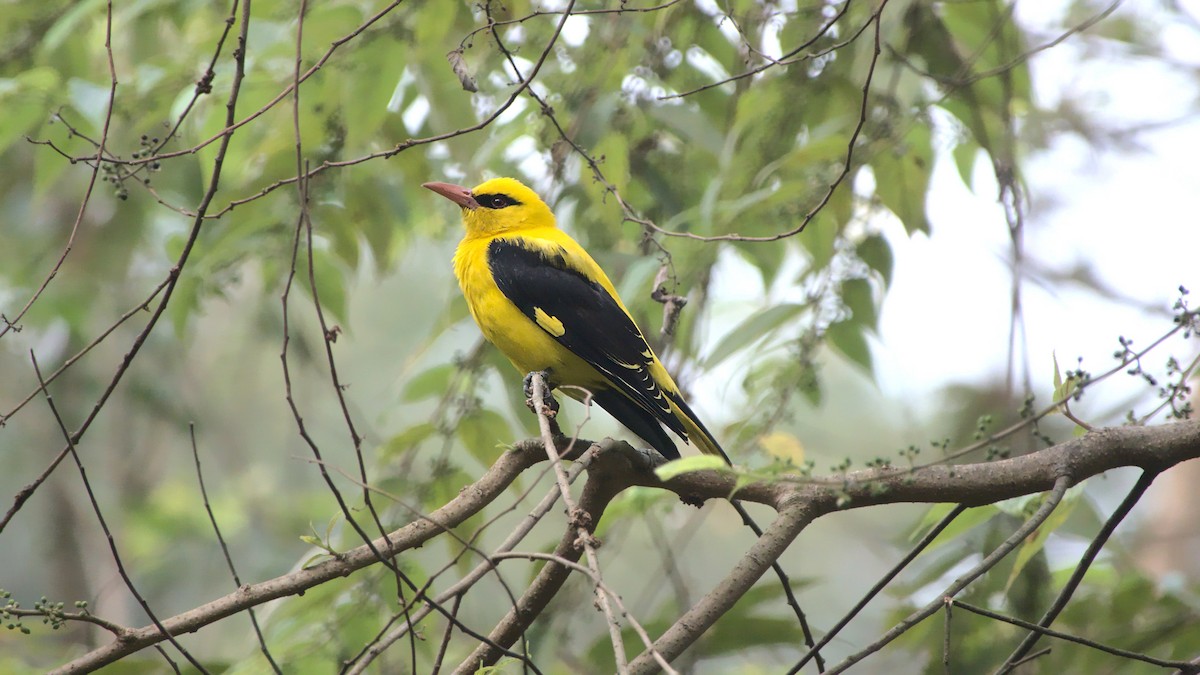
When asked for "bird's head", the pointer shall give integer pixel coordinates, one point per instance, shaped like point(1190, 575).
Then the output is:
point(497, 206)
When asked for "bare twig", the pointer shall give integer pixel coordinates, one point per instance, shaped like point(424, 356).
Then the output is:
point(108, 536)
point(795, 514)
point(116, 629)
point(445, 641)
point(881, 584)
point(1089, 556)
point(847, 163)
point(1184, 666)
point(581, 522)
point(1051, 502)
point(233, 124)
point(173, 276)
point(600, 586)
point(782, 60)
point(1056, 405)
point(967, 79)
point(623, 9)
point(398, 148)
point(212, 519)
point(358, 664)
point(948, 613)
point(7, 324)
point(141, 307)
point(515, 537)
point(470, 501)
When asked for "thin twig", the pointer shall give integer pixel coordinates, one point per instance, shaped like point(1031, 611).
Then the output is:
point(782, 60)
point(7, 323)
point(212, 519)
point(875, 590)
point(1035, 521)
point(1085, 562)
point(847, 162)
point(445, 641)
point(116, 629)
point(359, 663)
point(108, 536)
point(232, 125)
point(175, 272)
point(601, 586)
point(457, 590)
point(140, 307)
point(1185, 666)
point(949, 603)
point(580, 521)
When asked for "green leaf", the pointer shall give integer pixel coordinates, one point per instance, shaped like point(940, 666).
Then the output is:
point(965, 153)
point(693, 127)
point(847, 338)
point(326, 23)
point(968, 520)
point(684, 465)
point(902, 175)
point(431, 382)
point(484, 432)
point(1035, 543)
point(860, 299)
point(754, 328)
point(70, 24)
point(1057, 377)
point(24, 100)
point(1063, 389)
point(877, 254)
point(407, 439)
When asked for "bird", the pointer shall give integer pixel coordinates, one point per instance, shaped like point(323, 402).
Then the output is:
point(538, 296)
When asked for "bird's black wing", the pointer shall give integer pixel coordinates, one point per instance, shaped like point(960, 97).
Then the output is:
point(581, 315)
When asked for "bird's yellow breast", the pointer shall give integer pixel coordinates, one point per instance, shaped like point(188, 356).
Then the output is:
point(528, 343)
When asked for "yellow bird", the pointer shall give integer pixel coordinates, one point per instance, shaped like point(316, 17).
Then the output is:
point(542, 300)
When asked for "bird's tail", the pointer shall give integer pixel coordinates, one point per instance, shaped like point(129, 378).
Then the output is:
point(698, 434)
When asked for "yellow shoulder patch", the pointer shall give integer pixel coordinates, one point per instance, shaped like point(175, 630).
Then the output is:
point(548, 323)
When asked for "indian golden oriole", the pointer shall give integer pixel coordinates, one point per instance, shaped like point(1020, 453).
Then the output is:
point(542, 300)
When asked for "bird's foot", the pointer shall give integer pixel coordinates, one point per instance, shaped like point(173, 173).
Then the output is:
point(548, 400)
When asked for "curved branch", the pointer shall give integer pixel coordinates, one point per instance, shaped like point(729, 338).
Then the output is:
point(470, 501)
point(798, 501)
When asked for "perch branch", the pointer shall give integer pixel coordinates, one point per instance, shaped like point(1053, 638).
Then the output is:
point(619, 467)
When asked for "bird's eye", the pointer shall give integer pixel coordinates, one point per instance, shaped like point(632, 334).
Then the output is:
point(495, 200)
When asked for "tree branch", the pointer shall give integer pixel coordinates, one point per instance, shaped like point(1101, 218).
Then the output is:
point(798, 501)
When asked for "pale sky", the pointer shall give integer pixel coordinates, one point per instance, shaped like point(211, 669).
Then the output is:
point(1129, 215)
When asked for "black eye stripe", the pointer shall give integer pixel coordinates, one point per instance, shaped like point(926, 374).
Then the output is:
point(495, 201)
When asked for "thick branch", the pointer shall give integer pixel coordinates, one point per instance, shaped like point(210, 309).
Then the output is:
point(470, 501)
point(1152, 448)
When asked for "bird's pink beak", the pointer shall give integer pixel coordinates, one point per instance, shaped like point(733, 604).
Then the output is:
point(455, 193)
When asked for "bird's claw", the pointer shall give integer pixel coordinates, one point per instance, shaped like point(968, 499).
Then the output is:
point(548, 400)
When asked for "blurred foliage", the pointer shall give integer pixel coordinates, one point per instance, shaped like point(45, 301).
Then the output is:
point(753, 157)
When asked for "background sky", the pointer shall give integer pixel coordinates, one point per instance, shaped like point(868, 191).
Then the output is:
point(1127, 213)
